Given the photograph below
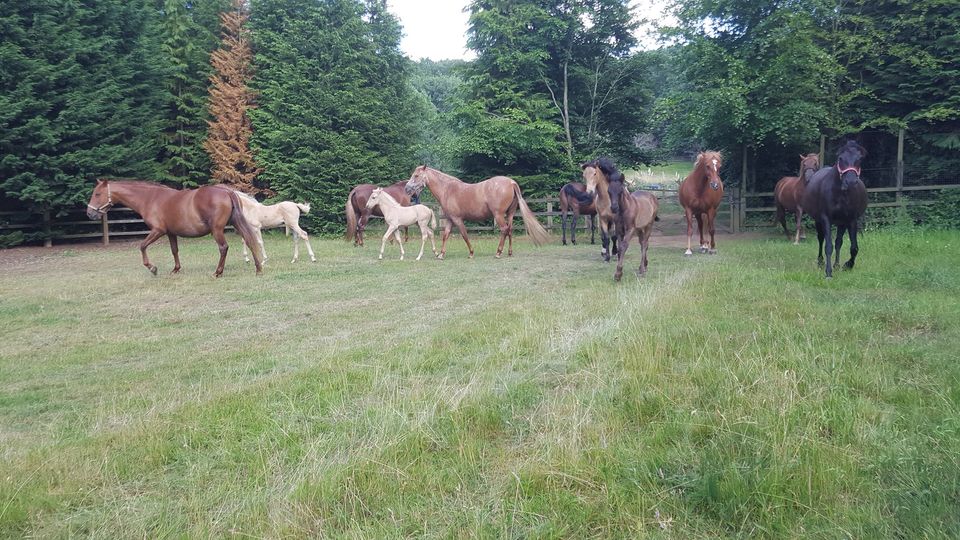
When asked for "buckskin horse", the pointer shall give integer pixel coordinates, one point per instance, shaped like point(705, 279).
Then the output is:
point(598, 174)
point(167, 211)
point(789, 190)
point(635, 213)
point(497, 197)
point(700, 194)
point(837, 196)
point(357, 206)
point(575, 199)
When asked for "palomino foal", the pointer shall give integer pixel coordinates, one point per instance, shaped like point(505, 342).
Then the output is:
point(398, 216)
point(263, 216)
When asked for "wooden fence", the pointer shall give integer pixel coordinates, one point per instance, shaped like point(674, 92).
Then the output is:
point(123, 222)
point(902, 196)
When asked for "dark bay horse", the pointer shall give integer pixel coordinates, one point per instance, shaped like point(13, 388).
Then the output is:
point(574, 198)
point(167, 211)
point(497, 198)
point(700, 194)
point(836, 196)
point(635, 213)
point(598, 174)
point(358, 214)
point(789, 190)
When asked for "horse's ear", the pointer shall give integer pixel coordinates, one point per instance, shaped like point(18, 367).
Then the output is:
point(699, 157)
point(100, 181)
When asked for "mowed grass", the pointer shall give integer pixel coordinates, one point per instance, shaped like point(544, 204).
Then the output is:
point(731, 395)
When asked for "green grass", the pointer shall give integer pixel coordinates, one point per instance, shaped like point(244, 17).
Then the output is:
point(731, 395)
point(667, 175)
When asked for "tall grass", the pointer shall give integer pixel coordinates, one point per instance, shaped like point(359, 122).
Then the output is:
point(731, 395)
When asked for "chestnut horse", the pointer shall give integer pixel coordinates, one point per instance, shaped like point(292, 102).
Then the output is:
point(598, 174)
point(837, 195)
point(789, 190)
point(357, 206)
point(635, 213)
point(700, 194)
point(167, 211)
point(574, 198)
point(496, 198)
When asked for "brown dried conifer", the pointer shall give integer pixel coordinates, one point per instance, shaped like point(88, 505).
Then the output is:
point(228, 135)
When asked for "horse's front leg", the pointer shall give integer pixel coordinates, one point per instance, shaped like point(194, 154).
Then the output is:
point(819, 226)
point(152, 237)
point(700, 217)
point(796, 240)
point(396, 234)
point(854, 247)
point(593, 226)
point(839, 243)
point(712, 226)
point(624, 244)
point(689, 215)
point(604, 241)
point(423, 237)
point(447, 229)
point(828, 247)
point(175, 249)
point(296, 248)
point(383, 241)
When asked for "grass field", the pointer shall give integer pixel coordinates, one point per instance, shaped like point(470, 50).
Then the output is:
point(731, 395)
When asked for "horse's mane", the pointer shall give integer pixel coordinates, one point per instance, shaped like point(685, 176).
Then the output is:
point(138, 181)
point(246, 196)
point(384, 193)
point(609, 170)
point(853, 145)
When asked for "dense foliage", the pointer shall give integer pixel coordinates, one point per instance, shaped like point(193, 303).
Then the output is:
point(335, 103)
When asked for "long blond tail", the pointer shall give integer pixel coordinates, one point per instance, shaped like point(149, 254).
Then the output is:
point(304, 207)
point(535, 230)
point(351, 219)
point(433, 219)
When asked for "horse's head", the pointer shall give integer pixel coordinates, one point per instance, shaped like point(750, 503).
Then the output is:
point(417, 180)
point(374, 198)
point(100, 201)
point(848, 164)
point(592, 176)
point(617, 190)
point(711, 162)
point(809, 164)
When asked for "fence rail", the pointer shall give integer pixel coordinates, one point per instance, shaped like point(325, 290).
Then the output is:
point(899, 192)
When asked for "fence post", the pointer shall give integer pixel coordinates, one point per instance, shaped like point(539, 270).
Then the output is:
point(47, 238)
point(549, 216)
point(900, 167)
point(106, 229)
point(742, 210)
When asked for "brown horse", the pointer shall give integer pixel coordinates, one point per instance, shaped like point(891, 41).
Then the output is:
point(357, 206)
point(496, 198)
point(574, 198)
point(598, 174)
point(700, 194)
point(635, 213)
point(167, 211)
point(789, 191)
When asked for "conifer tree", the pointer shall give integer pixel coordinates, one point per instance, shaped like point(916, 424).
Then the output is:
point(228, 136)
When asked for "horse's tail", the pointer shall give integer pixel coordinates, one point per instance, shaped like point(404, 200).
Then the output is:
point(581, 196)
point(304, 207)
point(433, 218)
point(351, 219)
point(243, 227)
point(535, 230)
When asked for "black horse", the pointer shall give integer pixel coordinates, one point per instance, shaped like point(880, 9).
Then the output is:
point(574, 198)
point(836, 196)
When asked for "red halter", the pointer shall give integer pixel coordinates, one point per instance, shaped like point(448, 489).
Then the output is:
point(853, 168)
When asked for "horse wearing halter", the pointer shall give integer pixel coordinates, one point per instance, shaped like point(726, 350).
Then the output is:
point(102, 209)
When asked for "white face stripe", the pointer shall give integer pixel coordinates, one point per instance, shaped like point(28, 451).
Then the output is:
point(715, 166)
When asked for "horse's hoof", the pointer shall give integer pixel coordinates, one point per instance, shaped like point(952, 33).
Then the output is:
point(175, 271)
point(153, 270)
point(702, 249)
point(380, 258)
point(687, 253)
point(497, 256)
point(848, 265)
point(312, 259)
point(440, 257)
point(617, 276)
point(712, 251)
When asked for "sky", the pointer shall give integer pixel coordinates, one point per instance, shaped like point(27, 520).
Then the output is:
point(437, 29)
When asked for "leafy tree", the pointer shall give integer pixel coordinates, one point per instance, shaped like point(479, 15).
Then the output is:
point(189, 35)
point(228, 138)
point(79, 97)
point(335, 101)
